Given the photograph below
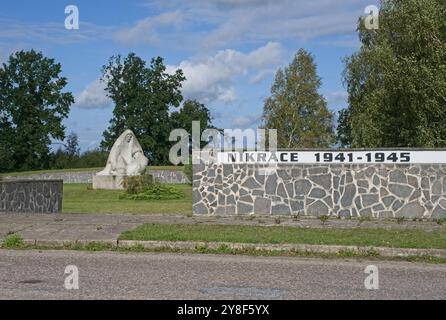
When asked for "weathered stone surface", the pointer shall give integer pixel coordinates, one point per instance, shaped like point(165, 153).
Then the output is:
point(281, 192)
point(411, 210)
point(322, 180)
point(271, 184)
point(297, 206)
point(280, 209)
point(31, 196)
point(401, 191)
point(439, 213)
point(244, 208)
point(200, 208)
point(250, 183)
point(363, 184)
point(397, 176)
point(337, 189)
point(317, 193)
point(262, 206)
point(436, 188)
point(388, 200)
point(349, 194)
point(369, 199)
point(317, 208)
point(302, 187)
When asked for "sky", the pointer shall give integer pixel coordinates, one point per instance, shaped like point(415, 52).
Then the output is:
point(229, 50)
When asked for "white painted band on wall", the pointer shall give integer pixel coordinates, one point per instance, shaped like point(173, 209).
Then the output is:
point(333, 157)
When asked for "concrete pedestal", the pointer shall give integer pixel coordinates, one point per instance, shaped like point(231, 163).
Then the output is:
point(108, 182)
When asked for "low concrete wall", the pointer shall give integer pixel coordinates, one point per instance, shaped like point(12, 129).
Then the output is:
point(44, 196)
point(163, 176)
point(343, 190)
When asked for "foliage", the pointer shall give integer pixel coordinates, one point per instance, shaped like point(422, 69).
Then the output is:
point(32, 108)
point(142, 96)
point(137, 184)
point(72, 145)
point(154, 191)
point(192, 111)
point(144, 187)
point(13, 241)
point(62, 159)
point(296, 109)
point(397, 80)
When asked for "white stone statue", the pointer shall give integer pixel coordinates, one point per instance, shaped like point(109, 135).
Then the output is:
point(126, 157)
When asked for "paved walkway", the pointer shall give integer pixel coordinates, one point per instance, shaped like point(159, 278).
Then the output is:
point(107, 275)
point(109, 226)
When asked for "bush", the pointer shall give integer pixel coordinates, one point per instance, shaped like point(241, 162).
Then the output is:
point(137, 184)
point(13, 241)
point(154, 191)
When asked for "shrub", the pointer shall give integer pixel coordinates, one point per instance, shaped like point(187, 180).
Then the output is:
point(154, 191)
point(137, 184)
point(13, 240)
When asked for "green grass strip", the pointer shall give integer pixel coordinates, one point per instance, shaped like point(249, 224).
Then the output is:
point(280, 234)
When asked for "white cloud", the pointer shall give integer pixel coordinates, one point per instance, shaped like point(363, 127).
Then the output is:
point(147, 30)
point(212, 79)
point(93, 96)
point(31, 34)
point(223, 23)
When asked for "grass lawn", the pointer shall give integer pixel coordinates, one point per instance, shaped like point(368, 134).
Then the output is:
point(80, 198)
point(27, 173)
point(280, 234)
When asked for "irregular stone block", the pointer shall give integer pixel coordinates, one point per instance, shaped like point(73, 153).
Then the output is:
point(280, 209)
point(322, 180)
point(317, 193)
point(411, 210)
point(401, 191)
point(349, 194)
point(302, 187)
point(317, 208)
point(262, 206)
point(244, 208)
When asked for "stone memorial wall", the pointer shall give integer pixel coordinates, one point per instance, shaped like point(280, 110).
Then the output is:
point(162, 176)
point(343, 190)
point(31, 196)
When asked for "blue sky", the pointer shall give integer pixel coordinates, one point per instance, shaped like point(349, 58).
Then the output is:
point(228, 49)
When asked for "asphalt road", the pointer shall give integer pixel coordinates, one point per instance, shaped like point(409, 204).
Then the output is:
point(105, 275)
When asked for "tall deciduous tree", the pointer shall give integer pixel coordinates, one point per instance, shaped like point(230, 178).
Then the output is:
point(192, 110)
point(32, 107)
point(397, 80)
point(142, 96)
point(296, 109)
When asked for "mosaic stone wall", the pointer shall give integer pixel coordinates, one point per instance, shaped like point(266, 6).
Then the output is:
point(354, 190)
point(27, 196)
point(162, 176)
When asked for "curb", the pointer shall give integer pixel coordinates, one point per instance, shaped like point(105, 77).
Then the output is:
point(193, 245)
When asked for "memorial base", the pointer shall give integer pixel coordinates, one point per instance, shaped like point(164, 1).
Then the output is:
point(108, 182)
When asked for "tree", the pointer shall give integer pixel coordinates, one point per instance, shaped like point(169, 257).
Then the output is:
point(142, 97)
point(296, 109)
point(72, 145)
point(192, 111)
point(32, 107)
point(397, 80)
